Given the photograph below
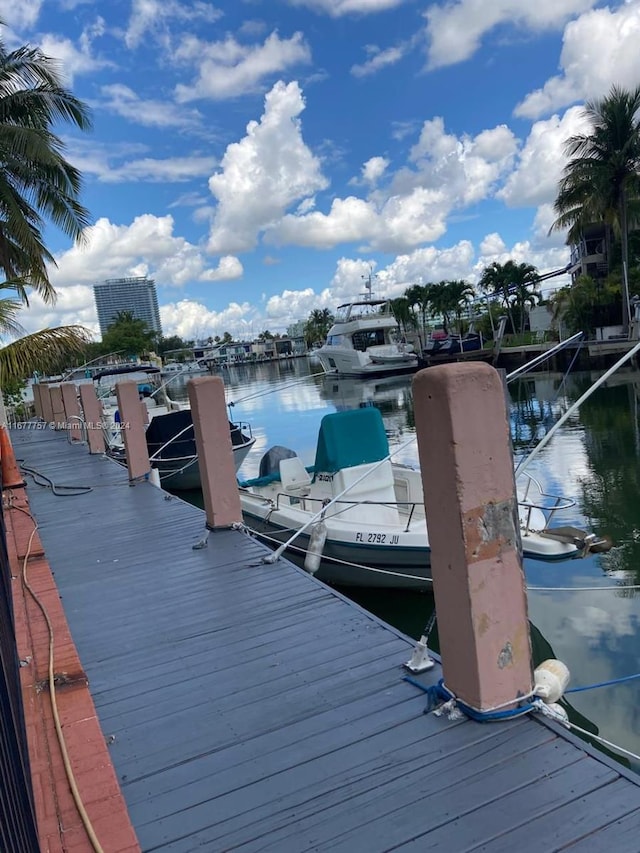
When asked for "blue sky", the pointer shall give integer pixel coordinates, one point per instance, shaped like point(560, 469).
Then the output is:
point(257, 158)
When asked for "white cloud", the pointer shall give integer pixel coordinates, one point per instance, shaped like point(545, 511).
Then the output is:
point(599, 48)
point(154, 16)
point(229, 268)
point(191, 319)
point(24, 13)
point(455, 29)
point(541, 161)
point(268, 181)
point(280, 309)
point(336, 8)
point(544, 258)
point(374, 169)
point(228, 69)
point(123, 101)
point(113, 164)
point(378, 59)
point(446, 173)
point(145, 247)
point(75, 60)
point(265, 173)
point(75, 304)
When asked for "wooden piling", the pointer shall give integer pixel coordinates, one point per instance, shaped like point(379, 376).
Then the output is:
point(472, 517)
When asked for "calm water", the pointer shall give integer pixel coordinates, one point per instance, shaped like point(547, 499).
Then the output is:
point(594, 460)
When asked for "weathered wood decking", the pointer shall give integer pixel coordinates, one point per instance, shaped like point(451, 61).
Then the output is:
point(253, 708)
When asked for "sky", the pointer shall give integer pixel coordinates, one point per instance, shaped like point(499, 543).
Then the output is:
point(261, 158)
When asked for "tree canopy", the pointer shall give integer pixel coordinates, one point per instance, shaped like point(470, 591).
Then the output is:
point(129, 336)
point(601, 181)
point(37, 185)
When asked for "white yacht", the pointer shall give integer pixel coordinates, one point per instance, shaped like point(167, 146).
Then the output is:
point(365, 340)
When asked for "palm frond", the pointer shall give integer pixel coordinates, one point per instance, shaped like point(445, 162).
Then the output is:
point(46, 351)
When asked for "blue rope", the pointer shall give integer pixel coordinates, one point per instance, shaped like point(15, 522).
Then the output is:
point(438, 694)
point(603, 683)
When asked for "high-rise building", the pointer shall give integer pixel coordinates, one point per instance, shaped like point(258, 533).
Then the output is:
point(136, 295)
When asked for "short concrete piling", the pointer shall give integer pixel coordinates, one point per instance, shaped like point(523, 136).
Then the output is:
point(72, 413)
point(215, 452)
point(472, 517)
point(133, 431)
point(93, 417)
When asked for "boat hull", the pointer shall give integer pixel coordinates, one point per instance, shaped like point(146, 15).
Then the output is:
point(347, 563)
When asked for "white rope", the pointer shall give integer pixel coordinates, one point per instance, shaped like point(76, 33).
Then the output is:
point(549, 713)
point(340, 562)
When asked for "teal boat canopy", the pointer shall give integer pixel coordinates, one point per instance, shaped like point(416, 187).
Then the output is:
point(354, 437)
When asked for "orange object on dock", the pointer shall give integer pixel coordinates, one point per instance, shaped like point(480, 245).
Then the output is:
point(11, 476)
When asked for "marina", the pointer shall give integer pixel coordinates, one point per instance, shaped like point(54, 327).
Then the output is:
point(248, 706)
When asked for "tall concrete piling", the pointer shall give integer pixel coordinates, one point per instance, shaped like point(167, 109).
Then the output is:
point(472, 517)
point(135, 442)
point(57, 407)
point(45, 402)
point(215, 451)
point(93, 418)
point(72, 413)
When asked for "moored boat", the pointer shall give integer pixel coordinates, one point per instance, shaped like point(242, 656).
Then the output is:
point(170, 434)
point(365, 340)
point(361, 517)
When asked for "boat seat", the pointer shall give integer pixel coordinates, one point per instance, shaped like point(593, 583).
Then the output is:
point(294, 477)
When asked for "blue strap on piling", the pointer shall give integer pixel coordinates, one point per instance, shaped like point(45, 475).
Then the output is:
point(438, 694)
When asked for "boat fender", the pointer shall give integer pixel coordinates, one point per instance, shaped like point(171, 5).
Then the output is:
point(550, 680)
point(317, 539)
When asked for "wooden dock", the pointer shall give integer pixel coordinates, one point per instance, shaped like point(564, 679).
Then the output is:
point(249, 707)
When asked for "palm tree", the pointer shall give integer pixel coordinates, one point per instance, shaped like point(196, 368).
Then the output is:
point(403, 314)
point(515, 284)
point(601, 182)
point(459, 293)
point(36, 184)
point(419, 296)
point(317, 326)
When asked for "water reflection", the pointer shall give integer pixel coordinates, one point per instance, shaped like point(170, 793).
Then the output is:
point(593, 460)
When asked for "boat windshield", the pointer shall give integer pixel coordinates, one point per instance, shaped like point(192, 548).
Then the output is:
point(356, 310)
point(147, 383)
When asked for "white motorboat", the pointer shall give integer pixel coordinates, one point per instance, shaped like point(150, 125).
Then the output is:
point(170, 435)
point(183, 368)
point(361, 517)
point(365, 340)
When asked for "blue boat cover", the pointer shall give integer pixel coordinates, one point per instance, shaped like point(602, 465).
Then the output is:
point(354, 437)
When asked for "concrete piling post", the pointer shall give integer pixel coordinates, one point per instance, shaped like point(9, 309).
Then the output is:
point(45, 402)
point(37, 400)
point(472, 516)
point(215, 452)
point(57, 407)
point(71, 410)
point(93, 416)
point(135, 442)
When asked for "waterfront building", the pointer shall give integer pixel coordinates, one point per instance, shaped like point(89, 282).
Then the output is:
point(136, 295)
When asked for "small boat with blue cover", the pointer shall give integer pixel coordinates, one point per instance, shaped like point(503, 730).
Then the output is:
point(361, 517)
